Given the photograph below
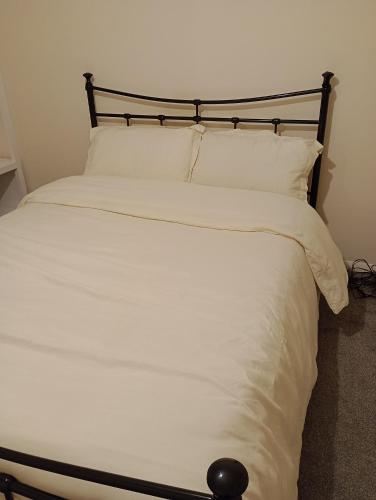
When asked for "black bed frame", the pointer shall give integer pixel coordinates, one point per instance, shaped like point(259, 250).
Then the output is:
point(324, 90)
point(227, 478)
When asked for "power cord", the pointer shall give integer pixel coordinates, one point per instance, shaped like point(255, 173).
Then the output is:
point(362, 279)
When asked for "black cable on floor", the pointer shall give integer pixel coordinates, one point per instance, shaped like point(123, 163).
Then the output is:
point(362, 279)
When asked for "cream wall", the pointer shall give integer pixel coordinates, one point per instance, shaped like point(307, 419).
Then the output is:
point(198, 48)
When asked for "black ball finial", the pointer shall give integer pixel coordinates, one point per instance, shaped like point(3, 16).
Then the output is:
point(88, 77)
point(326, 77)
point(227, 478)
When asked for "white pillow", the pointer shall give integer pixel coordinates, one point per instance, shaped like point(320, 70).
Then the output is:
point(260, 161)
point(152, 152)
point(237, 131)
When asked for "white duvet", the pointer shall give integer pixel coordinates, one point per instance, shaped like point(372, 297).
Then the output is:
point(148, 328)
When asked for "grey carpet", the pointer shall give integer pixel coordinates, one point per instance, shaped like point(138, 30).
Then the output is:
point(339, 442)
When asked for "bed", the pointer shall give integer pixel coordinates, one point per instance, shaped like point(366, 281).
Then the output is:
point(152, 327)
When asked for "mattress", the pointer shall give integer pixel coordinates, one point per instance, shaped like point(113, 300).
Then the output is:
point(148, 328)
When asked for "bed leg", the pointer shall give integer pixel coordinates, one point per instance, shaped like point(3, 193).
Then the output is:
point(227, 479)
point(5, 486)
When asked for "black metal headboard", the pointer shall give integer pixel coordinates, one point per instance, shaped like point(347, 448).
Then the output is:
point(324, 90)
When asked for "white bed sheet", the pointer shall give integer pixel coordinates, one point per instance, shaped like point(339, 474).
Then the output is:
point(151, 348)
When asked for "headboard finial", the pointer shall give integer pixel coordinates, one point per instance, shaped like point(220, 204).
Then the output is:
point(327, 76)
point(88, 77)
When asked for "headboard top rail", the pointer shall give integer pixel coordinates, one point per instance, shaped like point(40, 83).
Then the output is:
point(326, 77)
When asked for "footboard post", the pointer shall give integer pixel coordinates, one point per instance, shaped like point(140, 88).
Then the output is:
point(227, 479)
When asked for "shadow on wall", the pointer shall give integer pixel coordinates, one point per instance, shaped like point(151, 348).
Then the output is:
point(320, 451)
point(5, 181)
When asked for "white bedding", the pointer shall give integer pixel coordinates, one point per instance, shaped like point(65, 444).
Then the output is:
point(148, 328)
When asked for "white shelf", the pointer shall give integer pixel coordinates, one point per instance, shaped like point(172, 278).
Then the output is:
point(12, 187)
point(7, 165)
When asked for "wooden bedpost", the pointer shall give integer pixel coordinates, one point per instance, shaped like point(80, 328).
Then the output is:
point(227, 479)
